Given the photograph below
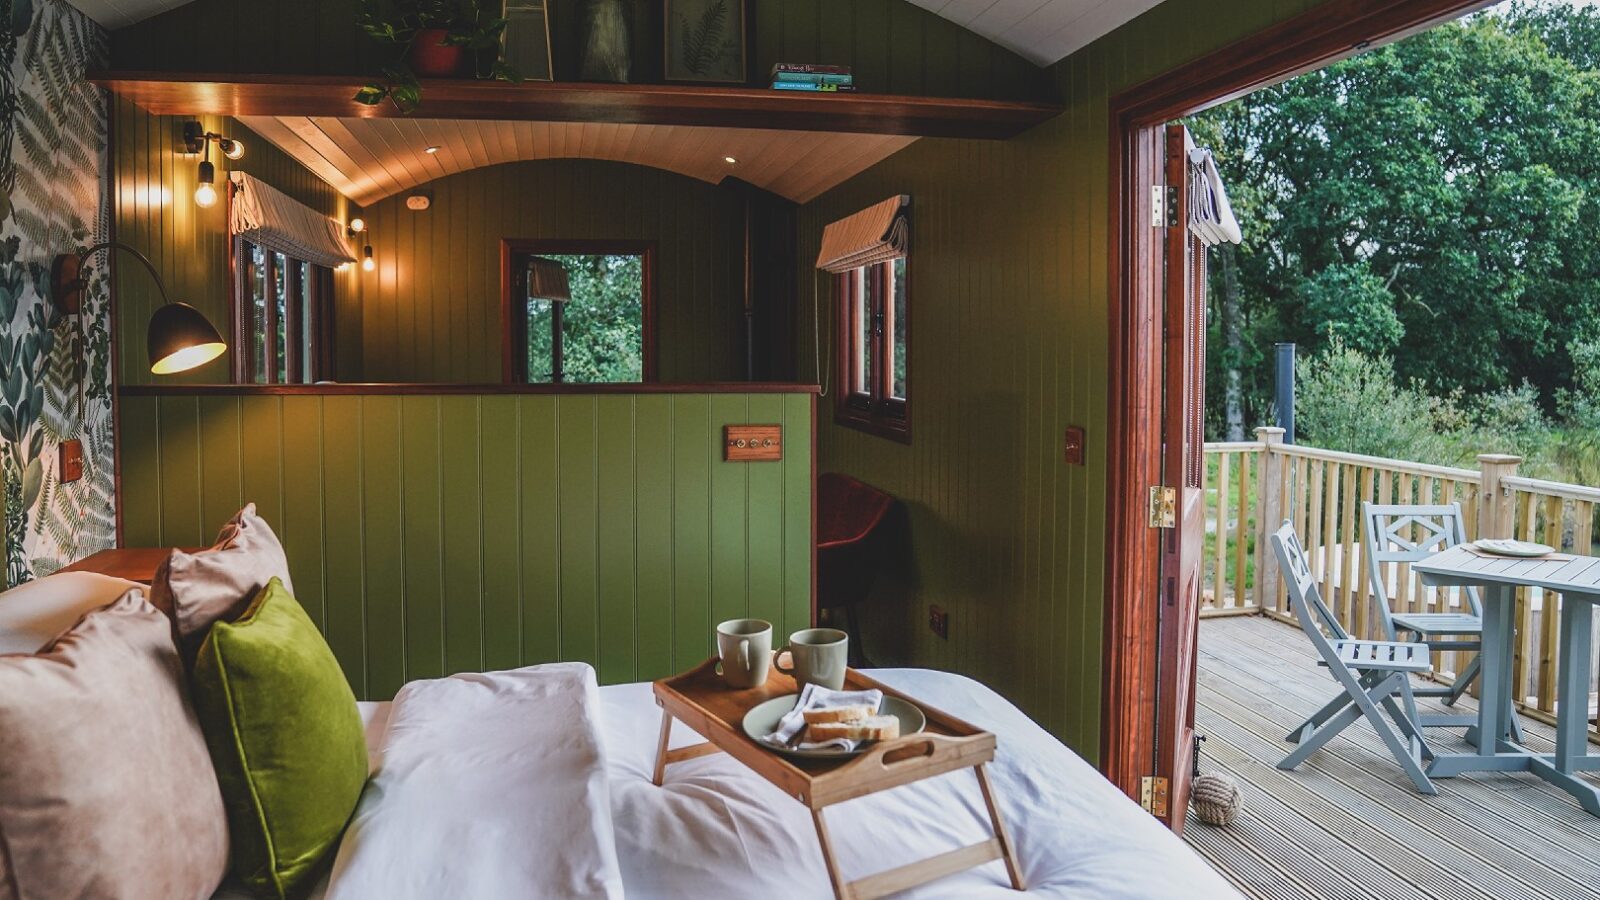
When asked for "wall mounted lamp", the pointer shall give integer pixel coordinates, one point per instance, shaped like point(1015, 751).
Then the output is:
point(197, 140)
point(195, 137)
point(357, 226)
point(179, 336)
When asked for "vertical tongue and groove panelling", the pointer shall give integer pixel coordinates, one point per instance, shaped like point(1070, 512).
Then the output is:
point(430, 534)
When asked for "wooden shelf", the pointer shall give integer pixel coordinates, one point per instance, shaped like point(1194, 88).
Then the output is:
point(178, 94)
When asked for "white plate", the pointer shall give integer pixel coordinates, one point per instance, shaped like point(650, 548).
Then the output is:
point(1513, 548)
point(763, 720)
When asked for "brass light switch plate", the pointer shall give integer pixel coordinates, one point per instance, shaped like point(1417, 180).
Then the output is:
point(71, 459)
point(752, 443)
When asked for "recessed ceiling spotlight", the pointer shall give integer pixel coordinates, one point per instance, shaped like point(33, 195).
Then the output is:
point(729, 160)
point(431, 150)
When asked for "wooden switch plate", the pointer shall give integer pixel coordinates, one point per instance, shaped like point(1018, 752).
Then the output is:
point(71, 458)
point(752, 443)
point(1074, 445)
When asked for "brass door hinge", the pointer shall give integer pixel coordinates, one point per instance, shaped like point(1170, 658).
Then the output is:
point(1164, 206)
point(1163, 507)
point(1153, 795)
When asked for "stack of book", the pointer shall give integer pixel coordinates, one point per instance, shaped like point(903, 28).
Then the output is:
point(811, 77)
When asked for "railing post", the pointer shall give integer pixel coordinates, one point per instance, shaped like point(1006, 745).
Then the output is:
point(1497, 514)
point(1269, 487)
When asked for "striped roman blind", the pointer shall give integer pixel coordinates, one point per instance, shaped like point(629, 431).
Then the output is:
point(879, 233)
point(272, 220)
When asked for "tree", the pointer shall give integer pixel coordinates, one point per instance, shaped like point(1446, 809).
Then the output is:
point(602, 326)
point(1433, 200)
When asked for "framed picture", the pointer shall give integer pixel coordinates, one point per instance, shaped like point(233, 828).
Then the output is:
point(705, 40)
point(525, 44)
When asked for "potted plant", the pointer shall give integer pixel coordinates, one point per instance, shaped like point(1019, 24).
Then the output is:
point(435, 39)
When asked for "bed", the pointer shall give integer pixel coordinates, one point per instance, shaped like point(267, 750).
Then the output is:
point(475, 793)
point(716, 830)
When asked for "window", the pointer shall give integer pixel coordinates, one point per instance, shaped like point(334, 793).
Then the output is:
point(599, 333)
point(875, 334)
point(284, 318)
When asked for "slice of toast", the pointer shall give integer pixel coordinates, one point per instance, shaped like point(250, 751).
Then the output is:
point(838, 714)
point(875, 728)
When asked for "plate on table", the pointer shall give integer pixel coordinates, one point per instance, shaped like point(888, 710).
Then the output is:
point(1513, 548)
point(763, 720)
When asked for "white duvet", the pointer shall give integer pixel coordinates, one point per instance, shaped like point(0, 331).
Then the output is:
point(475, 796)
point(714, 830)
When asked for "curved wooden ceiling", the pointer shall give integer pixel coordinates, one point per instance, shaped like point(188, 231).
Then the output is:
point(370, 159)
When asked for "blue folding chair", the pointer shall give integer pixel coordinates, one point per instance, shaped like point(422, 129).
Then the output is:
point(1373, 674)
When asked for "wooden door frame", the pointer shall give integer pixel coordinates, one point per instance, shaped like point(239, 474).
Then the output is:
point(1331, 31)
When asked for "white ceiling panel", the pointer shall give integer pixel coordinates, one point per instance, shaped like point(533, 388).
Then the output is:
point(370, 159)
point(1043, 31)
point(114, 14)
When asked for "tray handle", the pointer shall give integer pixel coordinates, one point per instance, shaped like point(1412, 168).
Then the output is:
point(912, 749)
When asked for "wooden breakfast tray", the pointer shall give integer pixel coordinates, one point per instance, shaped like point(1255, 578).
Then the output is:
point(700, 699)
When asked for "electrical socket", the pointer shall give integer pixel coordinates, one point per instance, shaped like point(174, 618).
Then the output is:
point(939, 621)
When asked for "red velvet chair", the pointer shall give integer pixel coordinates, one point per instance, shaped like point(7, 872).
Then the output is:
point(851, 520)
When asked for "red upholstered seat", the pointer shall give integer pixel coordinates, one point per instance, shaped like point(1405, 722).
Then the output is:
point(851, 517)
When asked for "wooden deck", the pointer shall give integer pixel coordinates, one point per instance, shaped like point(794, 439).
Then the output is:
point(1347, 823)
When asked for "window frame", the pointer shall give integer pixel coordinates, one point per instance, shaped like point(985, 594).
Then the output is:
point(314, 339)
point(877, 411)
point(514, 323)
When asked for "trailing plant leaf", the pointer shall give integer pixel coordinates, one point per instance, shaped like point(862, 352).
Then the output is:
point(466, 24)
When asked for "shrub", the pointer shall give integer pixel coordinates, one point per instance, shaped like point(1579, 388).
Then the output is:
point(1346, 400)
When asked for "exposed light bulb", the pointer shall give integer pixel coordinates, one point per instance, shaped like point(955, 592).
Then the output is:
point(358, 224)
point(231, 148)
point(431, 150)
point(205, 193)
point(367, 262)
point(729, 160)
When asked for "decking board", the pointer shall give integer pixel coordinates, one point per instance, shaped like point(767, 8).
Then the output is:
point(1347, 823)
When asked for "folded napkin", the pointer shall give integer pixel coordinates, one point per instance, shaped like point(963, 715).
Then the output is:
point(814, 697)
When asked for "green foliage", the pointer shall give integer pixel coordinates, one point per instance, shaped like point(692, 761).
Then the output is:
point(1509, 420)
point(1347, 401)
point(1578, 448)
point(1432, 200)
point(1352, 305)
point(1354, 402)
point(602, 334)
point(467, 23)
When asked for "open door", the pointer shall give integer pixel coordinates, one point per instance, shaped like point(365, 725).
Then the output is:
point(1182, 501)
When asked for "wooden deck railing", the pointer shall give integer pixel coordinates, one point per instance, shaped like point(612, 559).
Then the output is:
point(1253, 486)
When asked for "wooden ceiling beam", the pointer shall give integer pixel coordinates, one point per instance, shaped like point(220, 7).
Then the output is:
point(177, 94)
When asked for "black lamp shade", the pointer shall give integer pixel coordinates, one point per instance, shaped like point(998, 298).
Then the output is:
point(180, 338)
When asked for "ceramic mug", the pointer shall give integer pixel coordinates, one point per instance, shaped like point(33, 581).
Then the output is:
point(818, 656)
point(745, 648)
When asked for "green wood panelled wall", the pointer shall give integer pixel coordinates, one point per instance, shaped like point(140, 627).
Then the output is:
point(431, 309)
point(431, 534)
point(154, 182)
point(1010, 331)
point(894, 46)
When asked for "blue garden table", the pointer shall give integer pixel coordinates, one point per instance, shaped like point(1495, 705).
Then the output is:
point(1576, 579)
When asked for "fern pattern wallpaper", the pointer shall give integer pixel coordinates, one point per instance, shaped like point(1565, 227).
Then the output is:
point(55, 370)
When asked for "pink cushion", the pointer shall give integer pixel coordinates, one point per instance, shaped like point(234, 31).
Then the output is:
point(219, 583)
point(106, 788)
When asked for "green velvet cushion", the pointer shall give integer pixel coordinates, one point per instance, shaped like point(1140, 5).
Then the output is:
point(285, 737)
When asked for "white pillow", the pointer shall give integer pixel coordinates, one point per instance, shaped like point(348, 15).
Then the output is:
point(36, 613)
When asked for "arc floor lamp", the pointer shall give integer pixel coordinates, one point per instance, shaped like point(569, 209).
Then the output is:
point(179, 337)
